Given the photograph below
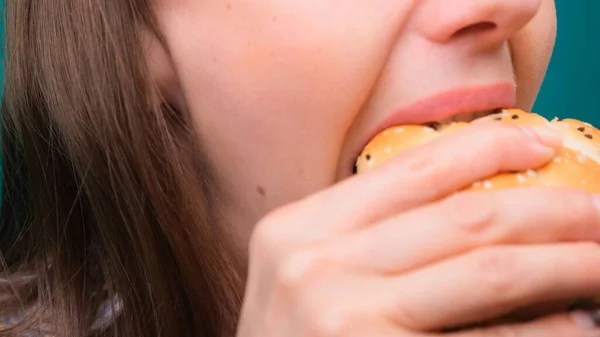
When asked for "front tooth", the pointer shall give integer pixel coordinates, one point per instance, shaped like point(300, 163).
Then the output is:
point(464, 117)
point(447, 120)
point(480, 114)
point(484, 113)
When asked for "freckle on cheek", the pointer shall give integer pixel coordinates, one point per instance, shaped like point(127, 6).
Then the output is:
point(229, 6)
point(260, 190)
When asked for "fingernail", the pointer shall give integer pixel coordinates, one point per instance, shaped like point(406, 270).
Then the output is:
point(587, 320)
point(544, 136)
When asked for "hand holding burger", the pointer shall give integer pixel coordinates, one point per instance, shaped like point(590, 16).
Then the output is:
point(416, 248)
point(576, 165)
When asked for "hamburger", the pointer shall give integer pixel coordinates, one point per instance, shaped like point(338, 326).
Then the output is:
point(576, 165)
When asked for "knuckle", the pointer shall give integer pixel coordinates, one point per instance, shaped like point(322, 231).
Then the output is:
point(425, 163)
point(268, 236)
point(263, 239)
point(470, 213)
point(405, 316)
point(332, 322)
point(300, 269)
point(578, 206)
point(416, 160)
point(498, 271)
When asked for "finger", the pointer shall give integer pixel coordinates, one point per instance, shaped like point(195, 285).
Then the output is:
point(491, 282)
point(369, 326)
point(558, 325)
point(418, 176)
point(468, 220)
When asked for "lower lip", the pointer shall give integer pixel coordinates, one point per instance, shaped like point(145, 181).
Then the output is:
point(461, 100)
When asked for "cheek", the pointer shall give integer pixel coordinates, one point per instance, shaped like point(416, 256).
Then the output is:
point(288, 60)
point(278, 82)
point(532, 50)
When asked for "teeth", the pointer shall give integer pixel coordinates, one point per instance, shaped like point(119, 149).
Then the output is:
point(466, 117)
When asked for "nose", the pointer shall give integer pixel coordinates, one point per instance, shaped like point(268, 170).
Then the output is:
point(480, 23)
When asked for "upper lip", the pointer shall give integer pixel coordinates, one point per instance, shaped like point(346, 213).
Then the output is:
point(447, 104)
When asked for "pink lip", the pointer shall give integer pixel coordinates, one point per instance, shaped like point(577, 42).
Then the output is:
point(450, 103)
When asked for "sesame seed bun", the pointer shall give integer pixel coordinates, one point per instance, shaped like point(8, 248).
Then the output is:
point(577, 164)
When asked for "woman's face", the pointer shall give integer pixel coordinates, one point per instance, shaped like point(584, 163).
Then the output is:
point(284, 93)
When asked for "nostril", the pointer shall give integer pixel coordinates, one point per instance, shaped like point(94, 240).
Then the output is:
point(477, 28)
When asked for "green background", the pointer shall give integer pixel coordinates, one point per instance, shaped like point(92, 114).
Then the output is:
point(572, 85)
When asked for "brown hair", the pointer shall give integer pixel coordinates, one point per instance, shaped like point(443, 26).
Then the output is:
point(105, 196)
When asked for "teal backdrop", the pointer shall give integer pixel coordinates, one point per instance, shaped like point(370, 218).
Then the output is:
point(572, 84)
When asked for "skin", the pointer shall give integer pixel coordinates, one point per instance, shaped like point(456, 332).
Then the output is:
point(282, 91)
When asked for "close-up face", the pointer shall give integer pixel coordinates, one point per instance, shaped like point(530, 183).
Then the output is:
point(284, 93)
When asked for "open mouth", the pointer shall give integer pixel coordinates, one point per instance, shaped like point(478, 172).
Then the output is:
point(463, 117)
point(412, 134)
point(441, 110)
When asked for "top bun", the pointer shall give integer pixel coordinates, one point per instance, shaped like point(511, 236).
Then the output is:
point(577, 164)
